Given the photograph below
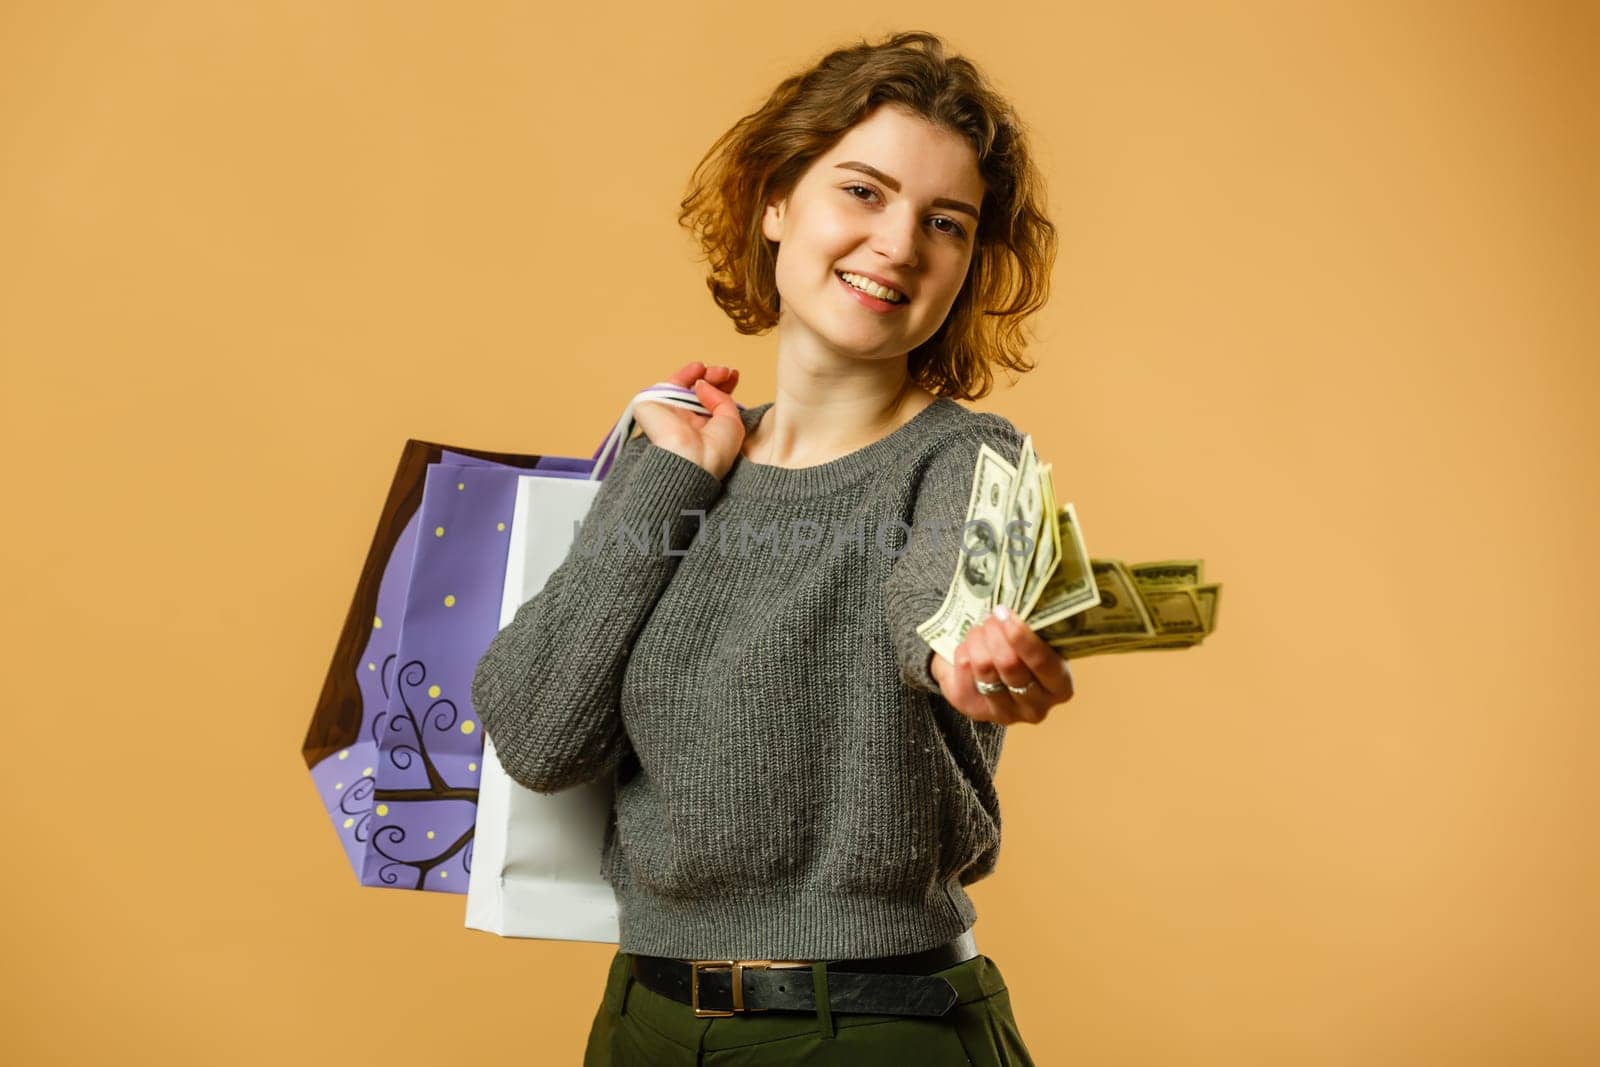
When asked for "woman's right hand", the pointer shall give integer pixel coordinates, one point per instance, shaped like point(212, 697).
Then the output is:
point(711, 441)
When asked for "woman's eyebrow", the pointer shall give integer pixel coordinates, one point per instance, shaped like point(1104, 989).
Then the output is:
point(869, 169)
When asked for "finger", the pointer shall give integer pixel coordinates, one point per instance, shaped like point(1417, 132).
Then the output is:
point(1006, 660)
point(1030, 706)
point(724, 378)
point(1044, 663)
point(963, 695)
point(684, 376)
point(725, 427)
point(716, 401)
point(984, 670)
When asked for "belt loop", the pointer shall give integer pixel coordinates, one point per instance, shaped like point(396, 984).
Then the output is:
point(617, 984)
point(819, 988)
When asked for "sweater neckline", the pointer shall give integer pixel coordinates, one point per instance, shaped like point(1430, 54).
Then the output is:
point(749, 478)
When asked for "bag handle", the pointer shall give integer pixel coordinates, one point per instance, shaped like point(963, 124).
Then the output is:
point(660, 392)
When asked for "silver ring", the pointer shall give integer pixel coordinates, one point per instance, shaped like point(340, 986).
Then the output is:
point(989, 688)
point(1020, 691)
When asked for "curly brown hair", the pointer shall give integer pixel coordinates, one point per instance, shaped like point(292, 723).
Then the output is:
point(764, 154)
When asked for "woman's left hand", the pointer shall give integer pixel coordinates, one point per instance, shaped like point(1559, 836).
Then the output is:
point(1003, 649)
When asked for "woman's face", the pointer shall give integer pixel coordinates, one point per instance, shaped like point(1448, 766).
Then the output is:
point(911, 225)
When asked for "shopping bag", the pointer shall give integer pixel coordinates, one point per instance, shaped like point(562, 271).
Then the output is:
point(537, 856)
point(390, 761)
point(393, 746)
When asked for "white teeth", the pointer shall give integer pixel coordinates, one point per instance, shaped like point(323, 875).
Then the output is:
point(867, 285)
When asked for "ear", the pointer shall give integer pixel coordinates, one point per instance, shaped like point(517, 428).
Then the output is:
point(772, 218)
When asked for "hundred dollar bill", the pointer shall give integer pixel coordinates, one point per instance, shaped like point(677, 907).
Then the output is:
point(1182, 615)
point(1047, 553)
point(1024, 514)
point(1023, 549)
point(1177, 617)
point(1120, 614)
point(1071, 588)
point(1169, 573)
point(1208, 595)
point(974, 585)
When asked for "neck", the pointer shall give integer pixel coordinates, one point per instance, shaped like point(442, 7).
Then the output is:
point(815, 421)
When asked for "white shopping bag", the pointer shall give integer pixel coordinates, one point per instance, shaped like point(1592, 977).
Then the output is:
point(536, 856)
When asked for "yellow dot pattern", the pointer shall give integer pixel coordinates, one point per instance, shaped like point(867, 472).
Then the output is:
point(434, 691)
point(450, 601)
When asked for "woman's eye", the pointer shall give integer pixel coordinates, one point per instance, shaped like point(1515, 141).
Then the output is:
point(956, 229)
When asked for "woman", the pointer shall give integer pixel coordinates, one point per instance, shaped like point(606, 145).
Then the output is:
point(803, 788)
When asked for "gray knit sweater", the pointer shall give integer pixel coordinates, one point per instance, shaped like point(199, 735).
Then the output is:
point(790, 782)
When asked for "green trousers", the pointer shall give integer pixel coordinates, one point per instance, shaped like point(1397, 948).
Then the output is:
point(637, 1027)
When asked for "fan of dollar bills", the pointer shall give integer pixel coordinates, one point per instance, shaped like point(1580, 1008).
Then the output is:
point(1081, 606)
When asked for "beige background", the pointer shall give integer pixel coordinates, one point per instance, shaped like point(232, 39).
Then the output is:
point(1324, 315)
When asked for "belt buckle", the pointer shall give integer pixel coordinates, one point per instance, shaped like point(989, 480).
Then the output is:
point(736, 969)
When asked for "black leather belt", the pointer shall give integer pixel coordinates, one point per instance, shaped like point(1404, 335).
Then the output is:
point(887, 985)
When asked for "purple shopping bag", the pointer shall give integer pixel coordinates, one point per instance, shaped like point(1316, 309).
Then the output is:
point(390, 747)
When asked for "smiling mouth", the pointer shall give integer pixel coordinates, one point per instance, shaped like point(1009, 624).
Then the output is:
point(898, 300)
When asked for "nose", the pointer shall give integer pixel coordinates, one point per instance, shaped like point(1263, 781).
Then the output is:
point(894, 237)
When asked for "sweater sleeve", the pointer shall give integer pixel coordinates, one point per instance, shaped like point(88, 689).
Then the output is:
point(921, 575)
point(914, 589)
point(547, 689)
